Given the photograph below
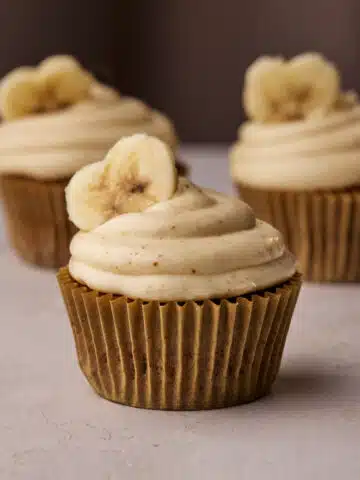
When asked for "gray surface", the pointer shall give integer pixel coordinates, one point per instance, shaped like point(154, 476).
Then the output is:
point(53, 427)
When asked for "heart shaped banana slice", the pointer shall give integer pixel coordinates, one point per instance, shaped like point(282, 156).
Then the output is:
point(136, 173)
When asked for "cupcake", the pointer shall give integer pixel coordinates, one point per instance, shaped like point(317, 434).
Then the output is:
point(177, 296)
point(56, 119)
point(297, 162)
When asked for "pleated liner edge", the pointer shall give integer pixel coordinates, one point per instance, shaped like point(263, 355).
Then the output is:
point(322, 229)
point(37, 221)
point(179, 355)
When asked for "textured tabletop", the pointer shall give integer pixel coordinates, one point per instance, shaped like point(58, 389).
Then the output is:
point(53, 427)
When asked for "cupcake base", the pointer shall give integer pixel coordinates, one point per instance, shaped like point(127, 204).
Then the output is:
point(190, 355)
point(37, 220)
point(321, 228)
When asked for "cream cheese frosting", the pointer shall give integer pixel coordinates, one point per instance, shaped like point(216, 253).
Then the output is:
point(303, 131)
point(310, 154)
point(54, 145)
point(198, 244)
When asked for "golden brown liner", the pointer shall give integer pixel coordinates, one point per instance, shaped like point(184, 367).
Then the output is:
point(321, 228)
point(179, 355)
point(37, 220)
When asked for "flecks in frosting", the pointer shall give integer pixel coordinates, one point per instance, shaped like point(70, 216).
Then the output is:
point(199, 244)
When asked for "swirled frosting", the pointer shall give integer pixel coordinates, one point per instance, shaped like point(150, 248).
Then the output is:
point(313, 154)
point(55, 145)
point(199, 244)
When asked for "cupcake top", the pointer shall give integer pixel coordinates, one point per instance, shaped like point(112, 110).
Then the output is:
point(147, 234)
point(303, 131)
point(58, 118)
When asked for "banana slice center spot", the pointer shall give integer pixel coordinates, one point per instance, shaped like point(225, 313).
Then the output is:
point(139, 188)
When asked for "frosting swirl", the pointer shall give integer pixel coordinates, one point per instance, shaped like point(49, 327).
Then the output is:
point(303, 155)
point(199, 244)
point(55, 145)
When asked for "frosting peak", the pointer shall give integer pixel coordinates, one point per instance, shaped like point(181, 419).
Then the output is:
point(321, 154)
point(304, 132)
point(55, 145)
point(198, 244)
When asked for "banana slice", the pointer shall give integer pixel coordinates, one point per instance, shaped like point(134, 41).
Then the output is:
point(87, 203)
point(136, 173)
point(64, 80)
point(20, 93)
point(265, 95)
point(315, 84)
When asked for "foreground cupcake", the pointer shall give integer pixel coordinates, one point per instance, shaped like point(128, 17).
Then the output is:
point(177, 296)
point(56, 119)
point(297, 162)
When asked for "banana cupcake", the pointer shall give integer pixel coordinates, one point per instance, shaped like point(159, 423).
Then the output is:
point(297, 161)
point(177, 296)
point(56, 118)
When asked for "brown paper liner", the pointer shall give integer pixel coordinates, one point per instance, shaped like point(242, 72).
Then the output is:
point(180, 355)
point(37, 220)
point(321, 228)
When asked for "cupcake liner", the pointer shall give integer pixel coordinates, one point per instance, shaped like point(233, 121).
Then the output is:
point(321, 228)
point(37, 220)
point(179, 355)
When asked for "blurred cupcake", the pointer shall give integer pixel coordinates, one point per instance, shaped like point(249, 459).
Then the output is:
point(297, 161)
point(56, 119)
point(177, 296)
